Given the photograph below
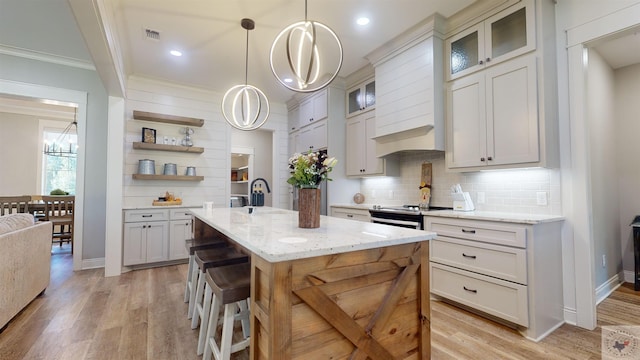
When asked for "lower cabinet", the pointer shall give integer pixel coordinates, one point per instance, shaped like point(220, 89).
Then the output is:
point(509, 271)
point(145, 242)
point(152, 236)
point(351, 213)
point(180, 230)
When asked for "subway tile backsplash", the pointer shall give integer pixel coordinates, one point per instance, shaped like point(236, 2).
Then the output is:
point(504, 190)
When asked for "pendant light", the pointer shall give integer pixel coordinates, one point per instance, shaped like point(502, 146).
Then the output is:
point(63, 146)
point(306, 56)
point(245, 107)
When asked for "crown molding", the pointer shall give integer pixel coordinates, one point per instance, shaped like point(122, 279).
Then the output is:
point(45, 57)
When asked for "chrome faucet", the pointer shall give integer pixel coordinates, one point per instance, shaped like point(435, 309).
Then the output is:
point(252, 199)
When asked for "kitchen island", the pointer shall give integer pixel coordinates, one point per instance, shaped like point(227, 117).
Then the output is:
point(347, 289)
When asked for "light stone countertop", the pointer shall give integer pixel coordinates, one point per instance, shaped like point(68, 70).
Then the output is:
point(495, 216)
point(151, 207)
point(274, 235)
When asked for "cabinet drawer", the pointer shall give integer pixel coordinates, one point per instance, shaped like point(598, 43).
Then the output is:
point(180, 214)
point(503, 262)
point(489, 232)
point(499, 298)
point(146, 215)
point(351, 214)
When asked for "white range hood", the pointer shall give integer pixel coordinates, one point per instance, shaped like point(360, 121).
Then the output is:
point(410, 90)
point(426, 138)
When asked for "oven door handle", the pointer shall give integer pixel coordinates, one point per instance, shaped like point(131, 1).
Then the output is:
point(395, 222)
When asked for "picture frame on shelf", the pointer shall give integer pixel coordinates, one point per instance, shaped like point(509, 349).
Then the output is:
point(148, 135)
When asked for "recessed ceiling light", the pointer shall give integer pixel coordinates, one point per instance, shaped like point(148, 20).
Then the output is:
point(362, 21)
point(175, 53)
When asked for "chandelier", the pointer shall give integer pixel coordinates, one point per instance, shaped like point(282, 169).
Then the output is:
point(245, 107)
point(306, 56)
point(64, 146)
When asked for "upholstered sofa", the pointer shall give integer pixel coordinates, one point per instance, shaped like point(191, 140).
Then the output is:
point(25, 262)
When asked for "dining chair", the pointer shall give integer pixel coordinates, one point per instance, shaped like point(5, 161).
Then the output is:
point(14, 204)
point(59, 210)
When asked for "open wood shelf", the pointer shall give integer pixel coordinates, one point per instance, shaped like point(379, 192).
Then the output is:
point(168, 119)
point(163, 147)
point(167, 177)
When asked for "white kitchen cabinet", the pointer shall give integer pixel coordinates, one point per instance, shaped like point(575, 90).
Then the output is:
point(313, 137)
point(293, 119)
point(313, 108)
point(180, 230)
point(493, 117)
point(351, 213)
point(294, 142)
point(145, 242)
point(361, 148)
point(508, 270)
point(503, 36)
point(155, 235)
point(361, 97)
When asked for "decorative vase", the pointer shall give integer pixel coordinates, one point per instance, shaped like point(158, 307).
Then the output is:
point(309, 208)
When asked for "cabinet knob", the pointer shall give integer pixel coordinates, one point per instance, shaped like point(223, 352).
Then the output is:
point(488, 59)
point(482, 159)
point(489, 158)
point(480, 62)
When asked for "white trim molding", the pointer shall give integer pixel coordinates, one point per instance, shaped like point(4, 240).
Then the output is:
point(603, 291)
point(45, 57)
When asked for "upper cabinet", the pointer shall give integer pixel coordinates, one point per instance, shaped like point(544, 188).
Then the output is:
point(313, 108)
point(503, 36)
point(493, 117)
point(361, 98)
point(505, 114)
point(361, 148)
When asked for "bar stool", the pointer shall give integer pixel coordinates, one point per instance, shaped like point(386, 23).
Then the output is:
point(229, 286)
point(206, 259)
point(192, 245)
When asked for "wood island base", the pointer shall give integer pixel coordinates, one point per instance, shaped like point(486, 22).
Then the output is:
point(361, 304)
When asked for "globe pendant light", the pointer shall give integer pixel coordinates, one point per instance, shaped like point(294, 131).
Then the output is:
point(245, 107)
point(306, 56)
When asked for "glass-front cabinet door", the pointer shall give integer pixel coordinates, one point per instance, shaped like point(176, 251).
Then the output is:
point(361, 98)
point(465, 51)
point(503, 36)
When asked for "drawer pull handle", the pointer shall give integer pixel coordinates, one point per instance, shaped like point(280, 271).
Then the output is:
point(470, 290)
point(349, 215)
point(147, 215)
point(468, 231)
point(469, 256)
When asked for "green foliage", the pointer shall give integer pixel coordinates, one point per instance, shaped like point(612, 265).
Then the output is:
point(310, 170)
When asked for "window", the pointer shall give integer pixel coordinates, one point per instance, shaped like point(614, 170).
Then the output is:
point(59, 171)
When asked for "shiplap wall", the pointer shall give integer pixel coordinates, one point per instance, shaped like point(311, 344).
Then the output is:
point(215, 137)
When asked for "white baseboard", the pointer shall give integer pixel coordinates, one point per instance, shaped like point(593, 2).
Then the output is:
point(92, 263)
point(603, 291)
point(629, 276)
point(570, 316)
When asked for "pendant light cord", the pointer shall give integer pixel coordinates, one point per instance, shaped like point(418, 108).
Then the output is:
point(305, 11)
point(246, 60)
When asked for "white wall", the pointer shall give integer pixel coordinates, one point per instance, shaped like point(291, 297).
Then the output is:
point(508, 190)
point(602, 155)
point(627, 108)
point(19, 149)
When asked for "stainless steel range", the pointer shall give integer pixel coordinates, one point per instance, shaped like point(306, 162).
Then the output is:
point(409, 216)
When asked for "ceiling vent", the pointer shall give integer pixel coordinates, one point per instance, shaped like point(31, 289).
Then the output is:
point(152, 34)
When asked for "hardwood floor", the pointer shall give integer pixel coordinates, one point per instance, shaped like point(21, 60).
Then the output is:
point(141, 315)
